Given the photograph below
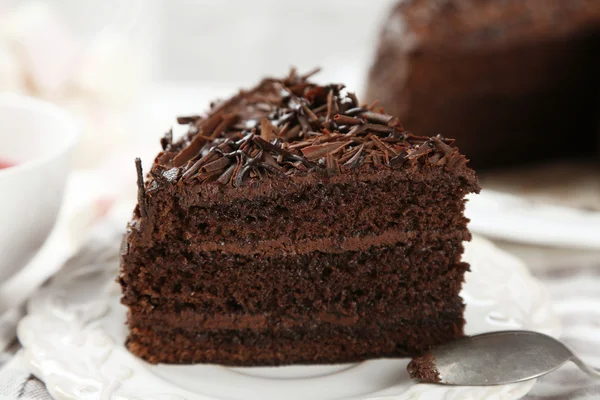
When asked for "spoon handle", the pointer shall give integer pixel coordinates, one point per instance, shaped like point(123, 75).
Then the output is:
point(593, 372)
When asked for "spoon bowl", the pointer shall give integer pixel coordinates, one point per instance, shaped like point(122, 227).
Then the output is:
point(495, 358)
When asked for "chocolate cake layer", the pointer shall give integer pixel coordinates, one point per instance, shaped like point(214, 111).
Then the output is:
point(321, 345)
point(293, 224)
point(507, 79)
point(237, 283)
point(311, 209)
point(191, 318)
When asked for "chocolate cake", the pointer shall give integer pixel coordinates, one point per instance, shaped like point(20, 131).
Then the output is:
point(292, 224)
point(510, 80)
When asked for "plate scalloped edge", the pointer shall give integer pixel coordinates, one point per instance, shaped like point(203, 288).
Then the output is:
point(516, 218)
point(69, 345)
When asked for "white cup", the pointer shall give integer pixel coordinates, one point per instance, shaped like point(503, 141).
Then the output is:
point(38, 138)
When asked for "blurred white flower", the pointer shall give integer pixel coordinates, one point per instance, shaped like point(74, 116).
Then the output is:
point(97, 77)
point(46, 49)
point(12, 77)
point(108, 70)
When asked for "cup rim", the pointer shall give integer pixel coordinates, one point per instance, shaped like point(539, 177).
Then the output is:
point(65, 118)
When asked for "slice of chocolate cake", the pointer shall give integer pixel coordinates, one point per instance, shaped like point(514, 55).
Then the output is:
point(511, 80)
point(294, 225)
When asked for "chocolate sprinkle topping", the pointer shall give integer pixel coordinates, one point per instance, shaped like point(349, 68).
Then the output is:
point(292, 126)
point(140, 186)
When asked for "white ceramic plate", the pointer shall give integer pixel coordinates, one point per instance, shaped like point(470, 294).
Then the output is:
point(517, 218)
point(74, 332)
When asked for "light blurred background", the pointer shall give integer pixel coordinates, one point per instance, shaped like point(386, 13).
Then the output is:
point(126, 68)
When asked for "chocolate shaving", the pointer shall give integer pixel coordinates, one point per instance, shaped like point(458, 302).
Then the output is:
point(414, 139)
point(141, 192)
point(377, 118)
point(346, 120)
point(217, 165)
point(264, 107)
point(355, 111)
point(190, 151)
point(285, 119)
point(354, 99)
point(386, 158)
point(331, 164)
point(399, 159)
point(311, 115)
point(223, 125)
point(292, 126)
point(283, 131)
point(312, 72)
point(380, 128)
point(191, 171)
point(436, 158)
point(422, 150)
point(226, 176)
point(303, 123)
point(207, 126)
point(292, 74)
point(321, 150)
point(446, 157)
point(266, 130)
point(348, 155)
point(167, 141)
point(356, 159)
point(292, 133)
point(280, 151)
point(239, 179)
point(250, 164)
point(268, 159)
point(329, 106)
point(447, 150)
point(376, 159)
point(382, 146)
point(358, 130)
point(320, 109)
point(299, 145)
point(191, 119)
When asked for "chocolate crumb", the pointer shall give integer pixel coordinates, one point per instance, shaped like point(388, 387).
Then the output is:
point(424, 369)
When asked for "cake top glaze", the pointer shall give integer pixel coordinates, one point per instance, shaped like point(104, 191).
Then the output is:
point(293, 127)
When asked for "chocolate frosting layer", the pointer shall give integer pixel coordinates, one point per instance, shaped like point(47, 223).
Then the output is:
point(292, 127)
point(285, 245)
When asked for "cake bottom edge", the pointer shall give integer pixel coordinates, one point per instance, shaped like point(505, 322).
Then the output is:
point(229, 348)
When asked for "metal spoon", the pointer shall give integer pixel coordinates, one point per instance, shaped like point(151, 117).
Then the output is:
point(495, 358)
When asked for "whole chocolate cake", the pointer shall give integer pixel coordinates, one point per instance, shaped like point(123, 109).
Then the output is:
point(294, 225)
point(512, 81)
